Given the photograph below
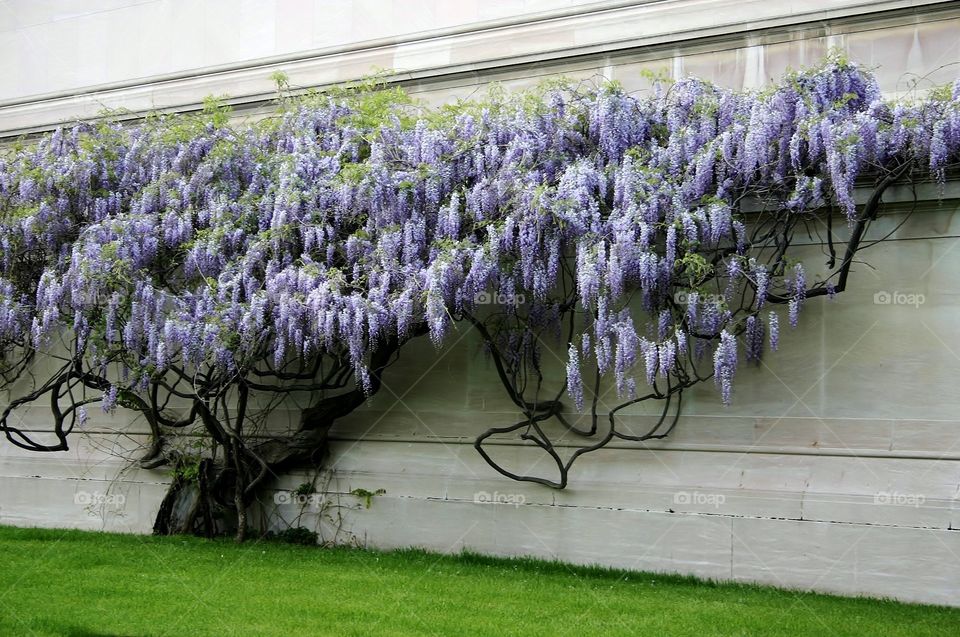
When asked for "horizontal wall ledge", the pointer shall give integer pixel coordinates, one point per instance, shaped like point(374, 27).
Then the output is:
point(761, 449)
point(667, 446)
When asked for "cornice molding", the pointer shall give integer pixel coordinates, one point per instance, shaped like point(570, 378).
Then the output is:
point(597, 31)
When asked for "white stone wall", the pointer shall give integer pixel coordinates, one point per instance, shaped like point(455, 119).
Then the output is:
point(169, 54)
point(835, 469)
point(55, 47)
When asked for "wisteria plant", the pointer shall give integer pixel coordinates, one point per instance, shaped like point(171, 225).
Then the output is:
point(201, 272)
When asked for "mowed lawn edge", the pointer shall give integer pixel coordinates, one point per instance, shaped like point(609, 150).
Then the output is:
point(86, 584)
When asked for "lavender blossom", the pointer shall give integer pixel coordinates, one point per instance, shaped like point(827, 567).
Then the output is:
point(574, 381)
point(774, 323)
point(725, 365)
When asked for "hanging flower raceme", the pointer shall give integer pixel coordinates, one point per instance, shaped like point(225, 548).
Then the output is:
point(574, 380)
point(326, 231)
point(725, 365)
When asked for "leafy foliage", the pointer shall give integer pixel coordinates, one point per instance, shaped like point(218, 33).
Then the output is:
point(296, 535)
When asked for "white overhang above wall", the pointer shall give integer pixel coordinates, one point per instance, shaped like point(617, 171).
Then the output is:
point(593, 33)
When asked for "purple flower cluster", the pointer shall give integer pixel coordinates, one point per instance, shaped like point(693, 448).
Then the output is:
point(574, 380)
point(322, 233)
point(725, 365)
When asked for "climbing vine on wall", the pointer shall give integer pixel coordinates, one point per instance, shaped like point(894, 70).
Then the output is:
point(201, 272)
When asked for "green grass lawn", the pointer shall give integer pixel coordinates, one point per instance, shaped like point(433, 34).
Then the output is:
point(92, 584)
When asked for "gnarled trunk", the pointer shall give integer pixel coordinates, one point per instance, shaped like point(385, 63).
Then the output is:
point(216, 501)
